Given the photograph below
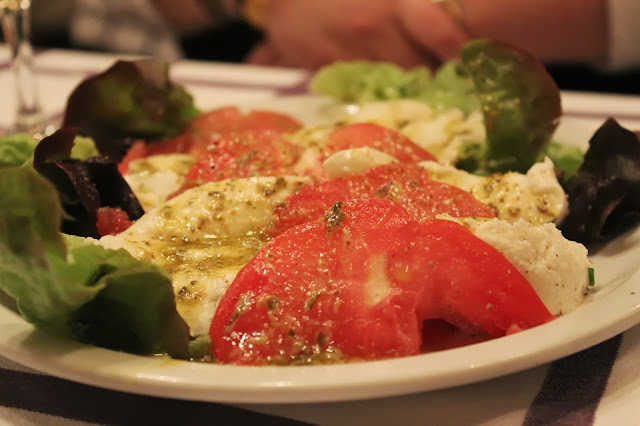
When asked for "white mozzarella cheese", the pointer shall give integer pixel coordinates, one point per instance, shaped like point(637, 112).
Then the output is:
point(558, 269)
point(204, 236)
point(536, 196)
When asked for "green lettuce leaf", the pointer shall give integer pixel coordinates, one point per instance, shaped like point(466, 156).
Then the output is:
point(16, 149)
point(566, 159)
point(99, 296)
point(130, 100)
point(520, 103)
point(451, 87)
point(363, 81)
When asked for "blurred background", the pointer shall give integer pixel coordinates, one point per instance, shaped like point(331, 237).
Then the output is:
point(232, 41)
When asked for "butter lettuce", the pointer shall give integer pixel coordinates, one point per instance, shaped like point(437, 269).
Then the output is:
point(16, 149)
point(518, 98)
point(364, 81)
point(98, 296)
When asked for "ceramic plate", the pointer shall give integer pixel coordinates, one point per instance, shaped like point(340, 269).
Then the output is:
point(612, 308)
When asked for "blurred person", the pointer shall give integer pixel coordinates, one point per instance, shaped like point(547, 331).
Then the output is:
point(597, 39)
point(592, 44)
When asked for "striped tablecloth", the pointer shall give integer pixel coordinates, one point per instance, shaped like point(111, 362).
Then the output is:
point(600, 385)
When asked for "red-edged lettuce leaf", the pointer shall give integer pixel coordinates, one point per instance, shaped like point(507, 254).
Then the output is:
point(604, 196)
point(130, 100)
point(83, 185)
point(520, 103)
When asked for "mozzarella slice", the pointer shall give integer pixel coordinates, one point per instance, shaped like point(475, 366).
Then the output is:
point(355, 161)
point(537, 196)
point(153, 179)
point(558, 269)
point(204, 236)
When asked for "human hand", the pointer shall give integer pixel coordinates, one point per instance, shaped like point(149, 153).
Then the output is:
point(312, 33)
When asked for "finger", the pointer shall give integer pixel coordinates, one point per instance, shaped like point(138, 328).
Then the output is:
point(396, 47)
point(432, 27)
point(312, 53)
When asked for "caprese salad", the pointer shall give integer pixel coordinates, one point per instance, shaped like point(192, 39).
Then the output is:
point(421, 218)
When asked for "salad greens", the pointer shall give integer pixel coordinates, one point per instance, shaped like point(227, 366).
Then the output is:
point(520, 103)
point(604, 195)
point(99, 296)
point(18, 148)
point(361, 81)
point(518, 98)
point(108, 298)
point(130, 100)
point(84, 186)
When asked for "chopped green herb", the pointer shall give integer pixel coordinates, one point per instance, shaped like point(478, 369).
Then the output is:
point(334, 217)
point(592, 279)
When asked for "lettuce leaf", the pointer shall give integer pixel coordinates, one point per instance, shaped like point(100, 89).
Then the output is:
point(99, 296)
point(520, 103)
point(363, 81)
point(130, 100)
point(604, 195)
point(518, 98)
point(451, 87)
point(566, 159)
point(84, 185)
point(16, 149)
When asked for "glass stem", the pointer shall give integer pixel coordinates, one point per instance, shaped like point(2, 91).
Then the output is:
point(16, 26)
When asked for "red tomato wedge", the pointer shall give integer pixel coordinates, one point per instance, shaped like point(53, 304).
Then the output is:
point(383, 139)
point(358, 285)
point(244, 154)
point(406, 184)
point(231, 120)
point(112, 220)
point(137, 151)
point(207, 128)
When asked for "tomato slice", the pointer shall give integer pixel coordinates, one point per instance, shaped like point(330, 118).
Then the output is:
point(407, 184)
point(383, 139)
point(470, 284)
point(112, 220)
point(358, 285)
point(230, 120)
point(244, 154)
point(206, 129)
point(136, 151)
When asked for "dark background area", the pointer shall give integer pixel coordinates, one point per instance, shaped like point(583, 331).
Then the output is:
point(233, 42)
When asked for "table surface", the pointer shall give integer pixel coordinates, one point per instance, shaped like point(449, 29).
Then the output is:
point(600, 385)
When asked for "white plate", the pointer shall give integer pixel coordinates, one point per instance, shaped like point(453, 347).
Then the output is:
point(613, 308)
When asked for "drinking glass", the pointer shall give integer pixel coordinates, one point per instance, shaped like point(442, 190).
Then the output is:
point(15, 16)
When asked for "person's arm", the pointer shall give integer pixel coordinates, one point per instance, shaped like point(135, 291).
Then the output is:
point(553, 30)
point(312, 33)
